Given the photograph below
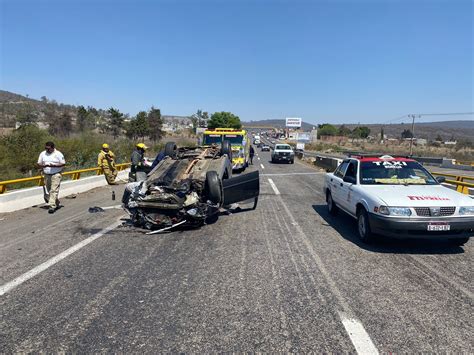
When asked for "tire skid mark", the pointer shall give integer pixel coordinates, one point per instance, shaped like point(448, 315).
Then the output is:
point(444, 280)
point(41, 231)
point(276, 277)
point(92, 310)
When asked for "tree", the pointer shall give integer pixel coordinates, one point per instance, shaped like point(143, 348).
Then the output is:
point(224, 120)
point(343, 131)
point(141, 128)
point(327, 129)
point(360, 132)
point(61, 125)
point(81, 118)
point(115, 123)
point(382, 134)
point(439, 138)
point(27, 116)
point(155, 124)
point(407, 134)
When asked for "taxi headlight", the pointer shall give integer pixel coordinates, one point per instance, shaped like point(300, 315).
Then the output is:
point(395, 211)
point(466, 211)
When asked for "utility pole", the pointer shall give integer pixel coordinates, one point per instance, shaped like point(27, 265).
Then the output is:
point(412, 132)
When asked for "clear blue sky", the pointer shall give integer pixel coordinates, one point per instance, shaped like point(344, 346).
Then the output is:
point(325, 61)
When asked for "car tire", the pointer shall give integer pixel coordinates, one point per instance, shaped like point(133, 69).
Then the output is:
point(292, 161)
point(458, 242)
point(363, 226)
point(331, 205)
point(170, 149)
point(213, 187)
point(226, 148)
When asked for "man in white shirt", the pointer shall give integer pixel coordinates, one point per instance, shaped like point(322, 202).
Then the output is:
point(52, 162)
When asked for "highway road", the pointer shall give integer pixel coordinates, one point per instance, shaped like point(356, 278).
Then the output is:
point(285, 277)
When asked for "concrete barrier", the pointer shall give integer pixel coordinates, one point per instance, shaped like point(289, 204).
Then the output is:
point(327, 163)
point(19, 199)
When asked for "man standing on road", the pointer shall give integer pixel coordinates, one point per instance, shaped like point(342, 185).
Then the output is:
point(52, 162)
point(106, 161)
point(252, 153)
point(137, 168)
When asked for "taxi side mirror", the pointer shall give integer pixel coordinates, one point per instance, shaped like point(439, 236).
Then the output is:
point(440, 179)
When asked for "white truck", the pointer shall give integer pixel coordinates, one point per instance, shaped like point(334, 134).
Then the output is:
point(283, 152)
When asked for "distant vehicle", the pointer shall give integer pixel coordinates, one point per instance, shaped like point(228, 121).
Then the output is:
point(273, 141)
point(265, 148)
point(283, 152)
point(398, 197)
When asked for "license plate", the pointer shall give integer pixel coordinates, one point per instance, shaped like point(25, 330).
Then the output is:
point(438, 227)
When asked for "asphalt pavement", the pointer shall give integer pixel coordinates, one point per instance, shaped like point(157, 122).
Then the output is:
point(284, 277)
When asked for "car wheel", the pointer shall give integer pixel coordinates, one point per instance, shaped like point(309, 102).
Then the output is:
point(458, 242)
point(213, 187)
point(363, 227)
point(170, 149)
point(331, 205)
point(292, 161)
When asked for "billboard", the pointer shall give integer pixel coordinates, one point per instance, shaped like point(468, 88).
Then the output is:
point(293, 122)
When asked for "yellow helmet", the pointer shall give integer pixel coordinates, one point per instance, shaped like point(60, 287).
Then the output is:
point(141, 146)
point(105, 145)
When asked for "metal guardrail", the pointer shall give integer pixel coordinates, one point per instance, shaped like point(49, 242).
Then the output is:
point(460, 183)
point(75, 175)
point(464, 163)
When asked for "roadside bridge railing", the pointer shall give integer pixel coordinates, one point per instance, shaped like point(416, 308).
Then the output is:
point(74, 174)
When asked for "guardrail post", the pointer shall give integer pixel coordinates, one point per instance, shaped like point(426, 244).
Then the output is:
point(3, 188)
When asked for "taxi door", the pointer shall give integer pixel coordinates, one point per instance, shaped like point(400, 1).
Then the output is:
point(346, 189)
point(336, 183)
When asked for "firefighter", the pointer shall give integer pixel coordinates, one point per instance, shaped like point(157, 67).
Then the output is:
point(106, 161)
point(137, 168)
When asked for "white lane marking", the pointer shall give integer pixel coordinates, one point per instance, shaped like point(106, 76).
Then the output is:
point(289, 174)
point(359, 337)
point(272, 184)
point(262, 166)
point(258, 158)
point(55, 259)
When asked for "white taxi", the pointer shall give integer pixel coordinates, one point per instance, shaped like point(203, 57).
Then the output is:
point(398, 197)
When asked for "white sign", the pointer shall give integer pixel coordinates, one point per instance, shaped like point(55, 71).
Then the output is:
point(293, 122)
point(304, 137)
point(300, 146)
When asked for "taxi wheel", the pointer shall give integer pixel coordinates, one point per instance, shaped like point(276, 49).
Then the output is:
point(363, 227)
point(331, 205)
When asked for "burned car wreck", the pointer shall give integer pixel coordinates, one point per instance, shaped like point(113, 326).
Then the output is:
point(187, 188)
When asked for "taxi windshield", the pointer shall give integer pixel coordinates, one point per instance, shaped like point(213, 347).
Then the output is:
point(395, 172)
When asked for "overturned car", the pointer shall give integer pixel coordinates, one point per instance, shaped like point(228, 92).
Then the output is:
point(188, 187)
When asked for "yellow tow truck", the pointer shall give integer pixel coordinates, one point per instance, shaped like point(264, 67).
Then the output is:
point(238, 140)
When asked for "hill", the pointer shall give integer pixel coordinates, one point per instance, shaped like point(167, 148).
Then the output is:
point(277, 124)
point(457, 130)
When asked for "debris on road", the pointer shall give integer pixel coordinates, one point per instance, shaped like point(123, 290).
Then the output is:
point(70, 197)
point(187, 187)
point(96, 209)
